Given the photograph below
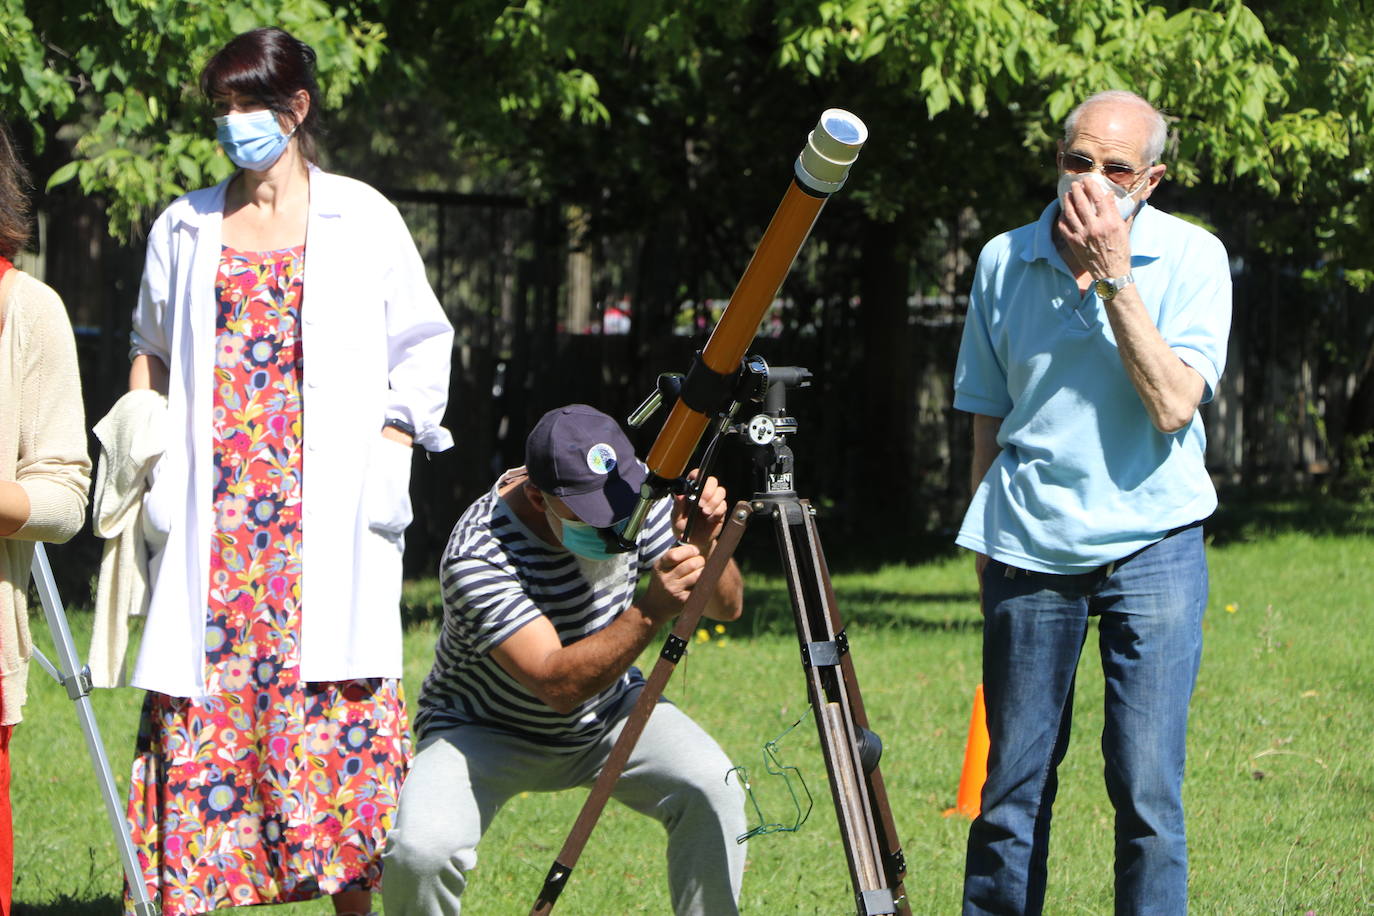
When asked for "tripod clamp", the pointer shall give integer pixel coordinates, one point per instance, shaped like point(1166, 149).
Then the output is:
point(767, 431)
point(79, 684)
point(714, 394)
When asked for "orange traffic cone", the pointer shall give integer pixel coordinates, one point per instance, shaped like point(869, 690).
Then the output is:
point(975, 773)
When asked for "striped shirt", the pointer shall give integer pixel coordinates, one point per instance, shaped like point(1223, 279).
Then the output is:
point(496, 577)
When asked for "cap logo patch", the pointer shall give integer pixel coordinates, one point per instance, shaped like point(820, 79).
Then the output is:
point(601, 458)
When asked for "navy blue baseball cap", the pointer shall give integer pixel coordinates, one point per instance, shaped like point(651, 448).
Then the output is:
point(582, 456)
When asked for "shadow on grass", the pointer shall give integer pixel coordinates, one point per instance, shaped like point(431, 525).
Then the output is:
point(1246, 515)
point(1243, 515)
point(421, 601)
point(66, 906)
point(849, 548)
point(770, 609)
point(770, 612)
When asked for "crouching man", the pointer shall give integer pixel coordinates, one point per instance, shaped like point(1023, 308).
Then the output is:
point(533, 673)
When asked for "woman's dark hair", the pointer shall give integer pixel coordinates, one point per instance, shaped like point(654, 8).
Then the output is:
point(271, 66)
point(14, 197)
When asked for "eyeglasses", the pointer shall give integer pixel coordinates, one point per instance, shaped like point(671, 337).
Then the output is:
point(1115, 171)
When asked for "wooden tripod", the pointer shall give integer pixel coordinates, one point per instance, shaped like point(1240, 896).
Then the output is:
point(876, 863)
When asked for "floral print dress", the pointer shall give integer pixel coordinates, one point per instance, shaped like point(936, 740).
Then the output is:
point(267, 790)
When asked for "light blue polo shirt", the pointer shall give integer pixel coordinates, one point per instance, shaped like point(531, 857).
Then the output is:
point(1084, 477)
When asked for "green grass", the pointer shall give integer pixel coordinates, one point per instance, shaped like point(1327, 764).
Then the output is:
point(1280, 783)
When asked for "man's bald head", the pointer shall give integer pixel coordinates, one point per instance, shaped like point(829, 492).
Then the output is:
point(1128, 104)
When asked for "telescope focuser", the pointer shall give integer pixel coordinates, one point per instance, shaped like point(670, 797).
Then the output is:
point(668, 387)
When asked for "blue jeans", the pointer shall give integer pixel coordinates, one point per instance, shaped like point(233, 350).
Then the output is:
point(1150, 607)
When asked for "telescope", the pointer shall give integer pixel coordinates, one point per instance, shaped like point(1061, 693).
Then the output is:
point(718, 383)
point(820, 170)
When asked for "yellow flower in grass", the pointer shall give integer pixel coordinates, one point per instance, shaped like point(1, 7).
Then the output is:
point(1231, 608)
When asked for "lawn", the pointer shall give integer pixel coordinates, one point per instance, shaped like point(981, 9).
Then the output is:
point(1280, 782)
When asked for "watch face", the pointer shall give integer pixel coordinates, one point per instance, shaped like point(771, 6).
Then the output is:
point(1106, 289)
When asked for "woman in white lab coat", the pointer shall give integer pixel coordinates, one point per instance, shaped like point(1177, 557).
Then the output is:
point(286, 314)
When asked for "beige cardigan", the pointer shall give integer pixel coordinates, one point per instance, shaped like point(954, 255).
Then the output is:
point(42, 448)
point(132, 436)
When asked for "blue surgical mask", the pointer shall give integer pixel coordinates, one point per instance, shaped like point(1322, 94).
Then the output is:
point(252, 140)
point(588, 542)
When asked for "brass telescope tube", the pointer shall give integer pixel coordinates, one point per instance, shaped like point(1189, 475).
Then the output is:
point(820, 170)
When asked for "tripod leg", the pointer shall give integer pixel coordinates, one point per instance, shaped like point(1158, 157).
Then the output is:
point(894, 860)
point(668, 658)
point(77, 681)
point(865, 821)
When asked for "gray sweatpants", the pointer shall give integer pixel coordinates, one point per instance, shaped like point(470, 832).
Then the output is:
point(462, 776)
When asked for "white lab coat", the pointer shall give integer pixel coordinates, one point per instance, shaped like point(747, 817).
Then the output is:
point(376, 345)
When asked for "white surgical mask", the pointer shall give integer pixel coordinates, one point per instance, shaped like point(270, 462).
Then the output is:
point(1125, 198)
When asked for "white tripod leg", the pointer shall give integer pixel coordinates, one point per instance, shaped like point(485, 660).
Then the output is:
point(77, 681)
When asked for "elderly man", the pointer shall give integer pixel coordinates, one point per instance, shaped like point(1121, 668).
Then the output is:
point(1092, 337)
point(533, 674)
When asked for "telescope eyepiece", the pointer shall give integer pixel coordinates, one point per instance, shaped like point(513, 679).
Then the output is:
point(830, 150)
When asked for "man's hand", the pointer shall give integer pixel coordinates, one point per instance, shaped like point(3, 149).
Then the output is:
point(565, 676)
point(710, 518)
point(1092, 228)
point(670, 583)
point(1098, 243)
point(677, 571)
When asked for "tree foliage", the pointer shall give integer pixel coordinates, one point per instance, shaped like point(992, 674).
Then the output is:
point(118, 78)
point(649, 93)
point(621, 104)
point(673, 121)
point(675, 118)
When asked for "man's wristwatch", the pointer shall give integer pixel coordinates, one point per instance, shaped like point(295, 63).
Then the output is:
point(1108, 287)
point(400, 426)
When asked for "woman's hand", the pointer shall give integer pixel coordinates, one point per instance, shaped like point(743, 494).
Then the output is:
point(148, 371)
point(14, 508)
point(395, 435)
